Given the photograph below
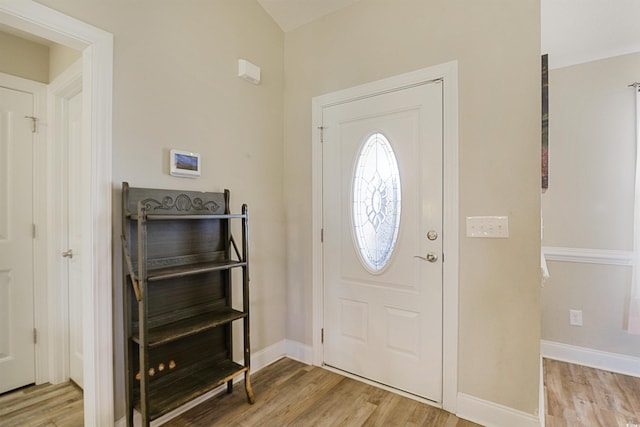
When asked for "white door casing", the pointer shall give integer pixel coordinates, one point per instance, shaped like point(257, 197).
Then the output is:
point(65, 87)
point(385, 323)
point(74, 237)
point(448, 74)
point(17, 347)
point(97, 48)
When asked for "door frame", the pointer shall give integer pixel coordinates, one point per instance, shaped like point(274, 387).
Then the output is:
point(66, 85)
point(448, 72)
point(97, 59)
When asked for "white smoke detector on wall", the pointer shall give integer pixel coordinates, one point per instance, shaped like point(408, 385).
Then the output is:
point(248, 71)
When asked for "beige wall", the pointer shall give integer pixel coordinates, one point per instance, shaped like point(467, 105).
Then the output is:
point(497, 45)
point(589, 203)
point(24, 58)
point(34, 61)
point(61, 58)
point(176, 86)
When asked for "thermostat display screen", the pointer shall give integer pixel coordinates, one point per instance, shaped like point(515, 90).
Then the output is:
point(184, 163)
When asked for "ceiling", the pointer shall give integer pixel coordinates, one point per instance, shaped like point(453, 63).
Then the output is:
point(573, 31)
point(291, 14)
point(577, 31)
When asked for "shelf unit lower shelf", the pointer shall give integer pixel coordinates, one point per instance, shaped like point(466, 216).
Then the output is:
point(168, 393)
point(190, 326)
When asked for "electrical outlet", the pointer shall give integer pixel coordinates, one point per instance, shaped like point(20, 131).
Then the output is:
point(575, 317)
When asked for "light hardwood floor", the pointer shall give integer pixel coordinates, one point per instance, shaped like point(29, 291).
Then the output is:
point(577, 396)
point(43, 405)
point(289, 393)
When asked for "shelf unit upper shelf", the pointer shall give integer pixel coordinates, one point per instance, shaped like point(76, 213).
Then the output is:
point(164, 273)
point(173, 217)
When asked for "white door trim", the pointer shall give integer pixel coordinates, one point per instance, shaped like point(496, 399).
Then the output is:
point(448, 72)
point(97, 48)
point(65, 86)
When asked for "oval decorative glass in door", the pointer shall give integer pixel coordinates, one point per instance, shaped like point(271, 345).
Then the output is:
point(376, 197)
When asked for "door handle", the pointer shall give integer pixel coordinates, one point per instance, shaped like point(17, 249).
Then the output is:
point(68, 254)
point(431, 257)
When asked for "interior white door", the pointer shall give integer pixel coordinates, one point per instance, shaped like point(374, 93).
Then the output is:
point(17, 348)
point(74, 134)
point(382, 243)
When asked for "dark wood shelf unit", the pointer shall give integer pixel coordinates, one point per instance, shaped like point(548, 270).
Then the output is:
point(178, 255)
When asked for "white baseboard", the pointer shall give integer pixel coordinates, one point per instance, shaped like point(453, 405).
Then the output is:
point(612, 362)
point(259, 360)
point(267, 356)
point(491, 414)
point(297, 351)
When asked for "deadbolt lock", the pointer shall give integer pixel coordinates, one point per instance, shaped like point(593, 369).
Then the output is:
point(432, 235)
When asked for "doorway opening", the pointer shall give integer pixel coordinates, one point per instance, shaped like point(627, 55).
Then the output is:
point(97, 63)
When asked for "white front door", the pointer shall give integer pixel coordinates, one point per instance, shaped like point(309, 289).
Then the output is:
point(382, 238)
point(73, 185)
point(17, 348)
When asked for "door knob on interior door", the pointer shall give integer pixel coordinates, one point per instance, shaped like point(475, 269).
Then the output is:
point(431, 257)
point(68, 254)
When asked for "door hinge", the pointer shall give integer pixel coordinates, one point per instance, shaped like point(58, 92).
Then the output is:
point(321, 133)
point(322, 235)
point(34, 121)
point(35, 336)
point(322, 336)
point(33, 230)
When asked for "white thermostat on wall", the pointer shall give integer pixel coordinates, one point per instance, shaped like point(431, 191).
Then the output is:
point(184, 163)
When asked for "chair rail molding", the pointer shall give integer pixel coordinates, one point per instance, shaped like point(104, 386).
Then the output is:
point(587, 256)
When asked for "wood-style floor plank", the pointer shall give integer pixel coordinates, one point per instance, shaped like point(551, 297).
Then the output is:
point(290, 393)
point(579, 396)
point(59, 405)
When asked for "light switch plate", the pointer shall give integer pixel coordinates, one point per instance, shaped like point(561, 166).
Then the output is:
point(492, 227)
